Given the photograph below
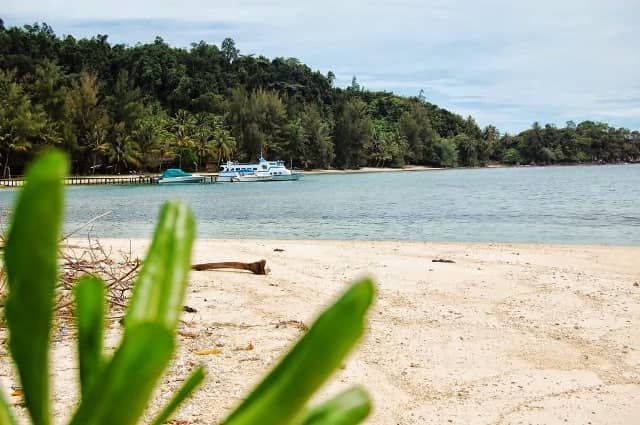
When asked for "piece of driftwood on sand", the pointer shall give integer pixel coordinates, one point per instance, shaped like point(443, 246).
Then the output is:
point(257, 267)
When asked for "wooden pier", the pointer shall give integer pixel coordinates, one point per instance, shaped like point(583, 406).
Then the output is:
point(102, 180)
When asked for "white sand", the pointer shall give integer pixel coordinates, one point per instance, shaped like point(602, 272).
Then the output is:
point(507, 334)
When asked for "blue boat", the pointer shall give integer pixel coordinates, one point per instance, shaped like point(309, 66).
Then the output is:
point(176, 175)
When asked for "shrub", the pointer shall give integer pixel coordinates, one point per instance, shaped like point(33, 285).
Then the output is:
point(512, 156)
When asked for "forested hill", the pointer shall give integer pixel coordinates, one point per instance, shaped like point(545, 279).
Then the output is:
point(117, 108)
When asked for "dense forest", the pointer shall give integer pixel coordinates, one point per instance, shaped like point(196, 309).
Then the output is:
point(118, 108)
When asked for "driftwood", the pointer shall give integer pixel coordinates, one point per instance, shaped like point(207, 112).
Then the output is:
point(257, 267)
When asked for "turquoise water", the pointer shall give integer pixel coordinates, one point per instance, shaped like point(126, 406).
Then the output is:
point(577, 205)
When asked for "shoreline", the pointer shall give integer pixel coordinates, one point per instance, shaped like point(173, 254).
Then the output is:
point(362, 170)
point(507, 333)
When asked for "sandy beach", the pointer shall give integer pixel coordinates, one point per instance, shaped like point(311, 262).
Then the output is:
point(506, 334)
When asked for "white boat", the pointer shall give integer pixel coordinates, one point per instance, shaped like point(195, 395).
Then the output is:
point(258, 176)
point(261, 171)
point(176, 175)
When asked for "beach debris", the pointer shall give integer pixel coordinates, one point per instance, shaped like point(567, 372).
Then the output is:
point(187, 334)
point(636, 283)
point(247, 347)
point(188, 309)
point(117, 270)
point(296, 323)
point(278, 250)
point(442, 260)
point(178, 422)
point(208, 352)
point(250, 359)
point(257, 267)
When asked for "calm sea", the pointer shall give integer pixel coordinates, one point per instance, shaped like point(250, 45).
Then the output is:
point(576, 205)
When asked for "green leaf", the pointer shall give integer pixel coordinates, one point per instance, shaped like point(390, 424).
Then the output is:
point(160, 288)
point(348, 408)
point(281, 396)
point(6, 418)
point(125, 385)
point(194, 380)
point(90, 315)
point(31, 265)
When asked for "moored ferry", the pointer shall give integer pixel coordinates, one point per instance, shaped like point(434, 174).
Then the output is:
point(263, 170)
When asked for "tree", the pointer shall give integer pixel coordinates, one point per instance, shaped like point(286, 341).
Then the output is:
point(229, 50)
point(182, 128)
point(531, 144)
point(512, 156)
point(122, 149)
point(447, 152)
point(149, 134)
point(317, 139)
point(331, 77)
point(353, 130)
point(20, 121)
point(224, 144)
point(354, 84)
point(258, 122)
point(89, 120)
point(125, 103)
point(467, 150)
point(415, 126)
point(212, 138)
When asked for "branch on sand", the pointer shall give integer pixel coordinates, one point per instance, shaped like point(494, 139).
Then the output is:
point(257, 267)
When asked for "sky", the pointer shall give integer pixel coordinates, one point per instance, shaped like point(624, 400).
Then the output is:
point(506, 63)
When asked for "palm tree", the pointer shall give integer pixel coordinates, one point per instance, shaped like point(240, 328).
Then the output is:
point(122, 149)
point(223, 145)
point(182, 127)
point(150, 135)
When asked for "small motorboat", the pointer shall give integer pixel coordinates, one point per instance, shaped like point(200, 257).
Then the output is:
point(176, 175)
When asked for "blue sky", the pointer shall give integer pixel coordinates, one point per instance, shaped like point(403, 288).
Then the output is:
point(507, 63)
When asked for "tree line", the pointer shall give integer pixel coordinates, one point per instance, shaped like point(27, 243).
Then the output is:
point(118, 108)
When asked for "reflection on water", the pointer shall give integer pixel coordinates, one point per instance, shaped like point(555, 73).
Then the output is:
point(583, 205)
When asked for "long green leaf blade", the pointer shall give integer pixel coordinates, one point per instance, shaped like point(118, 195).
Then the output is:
point(6, 418)
point(160, 288)
point(187, 388)
point(281, 396)
point(347, 408)
point(30, 258)
point(90, 316)
point(126, 384)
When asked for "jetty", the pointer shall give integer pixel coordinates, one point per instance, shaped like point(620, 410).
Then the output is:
point(102, 180)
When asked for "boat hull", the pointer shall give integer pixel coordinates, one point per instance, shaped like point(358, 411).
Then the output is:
point(287, 177)
point(252, 178)
point(258, 178)
point(181, 180)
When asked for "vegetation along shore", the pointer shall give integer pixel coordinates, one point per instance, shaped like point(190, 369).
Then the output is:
point(117, 108)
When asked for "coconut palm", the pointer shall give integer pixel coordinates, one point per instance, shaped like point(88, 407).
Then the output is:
point(122, 150)
point(182, 128)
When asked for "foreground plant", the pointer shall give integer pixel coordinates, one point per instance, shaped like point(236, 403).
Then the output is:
point(116, 388)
